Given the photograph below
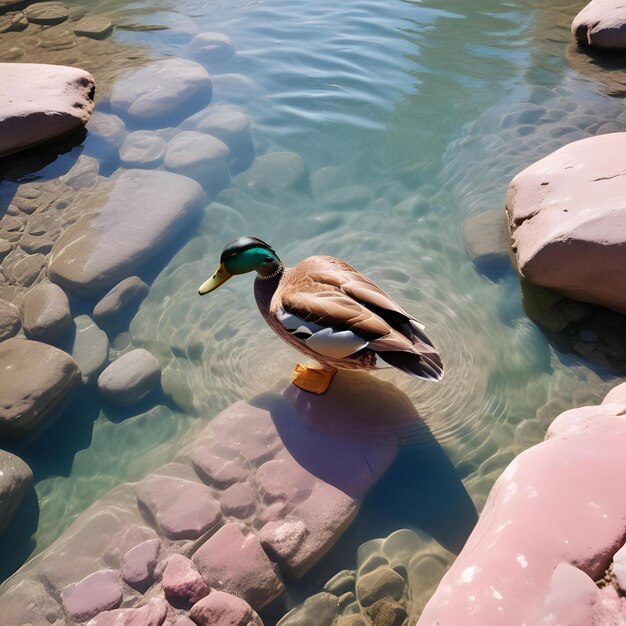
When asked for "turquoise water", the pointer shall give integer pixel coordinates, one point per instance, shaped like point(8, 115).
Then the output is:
point(420, 113)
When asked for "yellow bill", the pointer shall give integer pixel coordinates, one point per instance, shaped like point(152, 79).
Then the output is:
point(219, 278)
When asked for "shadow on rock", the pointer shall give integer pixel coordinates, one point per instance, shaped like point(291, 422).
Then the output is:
point(421, 489)
point(605, 66)
point(16, 542)
point(591, 333)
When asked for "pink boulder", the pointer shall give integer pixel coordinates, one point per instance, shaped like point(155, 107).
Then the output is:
point(235, 563)
point(601, 24)
point(41, 102)
point(139, 562)
point(224, 609)
point(182, 583)
point(567, 216)
point(551, 526)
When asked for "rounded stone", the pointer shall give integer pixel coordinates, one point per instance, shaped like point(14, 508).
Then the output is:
point(182, 583)
point(9, 319)
point(143, 148)
point(45, 312)
point(101, 591)
point(47, 13)
point(109, 129)
point(130, 378)
point(15, 480)
point(164, 90)
point(90, 349)
point(94, 26)
point(275, 172)
point(201, 157)
point(212, 48)
point(120, 301)
point(383, 582)
point(224, 609)
point(238, 500)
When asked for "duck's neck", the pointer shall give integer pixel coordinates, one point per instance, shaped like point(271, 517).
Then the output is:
point(265, 286)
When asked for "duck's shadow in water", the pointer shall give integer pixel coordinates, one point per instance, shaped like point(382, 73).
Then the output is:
point(363, 431)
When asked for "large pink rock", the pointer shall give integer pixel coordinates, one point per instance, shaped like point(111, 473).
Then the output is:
point(551, 526)
point(567, 215)
point(41, 102)
point(235, 563)
point(602, 24)
point(97, 592)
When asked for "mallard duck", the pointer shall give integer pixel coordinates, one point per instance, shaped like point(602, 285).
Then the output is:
point(331, 313)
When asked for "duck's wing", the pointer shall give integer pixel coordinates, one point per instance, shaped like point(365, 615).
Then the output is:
point(336, 311)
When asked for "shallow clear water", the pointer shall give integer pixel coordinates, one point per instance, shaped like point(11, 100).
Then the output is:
point(412, 106)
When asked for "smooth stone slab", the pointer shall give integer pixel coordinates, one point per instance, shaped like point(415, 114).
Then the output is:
point(45, 312)
point(601, 24)
point(235, 563)
point(93, 26)
point(143, 148)
point(130, 378)
point(275, 172)
point(163, 90)
point(550, 527)
point(223, 608)
point(122, 300)
point(9, 319)
point(201, 157)
point(16, 478)
point(212, 48)
point(13, 22)
point(100, 591)
point(151, 614)
point(36, 379)
point(181, 508)
point(46, 13)
point(182, 583)
point(140, 213)
point(567, 215)
point(39, 103)
point(90, 349)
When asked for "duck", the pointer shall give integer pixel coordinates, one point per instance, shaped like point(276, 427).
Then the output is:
point(330, 312)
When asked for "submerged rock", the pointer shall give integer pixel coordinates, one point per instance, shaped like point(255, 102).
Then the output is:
point(567, 217)
point(41, 102)
point(94, 26)
point(212, 48)
point(601, 24)
point(142, 210)
point(36, 379)
point(143, 148)
point(550, 527)
point(486, 237)
point(16, 478)
point(120, 302)
point(275, 172)
point(130, 378)
point(90, 348)
point(46, 13)
point(182, 583)
point(161, 91)
point(223, 608)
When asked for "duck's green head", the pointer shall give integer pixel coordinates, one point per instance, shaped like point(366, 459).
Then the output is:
point(240, 257)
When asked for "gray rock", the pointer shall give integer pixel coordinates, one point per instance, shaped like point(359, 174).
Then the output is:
point(47, 13)
point(45, 312)
point(320, 609)
point(486, 237)
point(107, 130)
point(90, 349)
point(162, 90)
point(120, 302)
point(230, 125)
point(141, 212)
point(130, 378)
point(9, 319)
point(15, 480)
point(276, 171)
point(234, 88)
point(36, 380)
point(381, 583)
point(212, 48)
point(143, 148)
point(39, 103)
point(94, 26)
point(199, 156)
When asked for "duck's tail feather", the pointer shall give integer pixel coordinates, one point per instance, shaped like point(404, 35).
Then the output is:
point(427, 366)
